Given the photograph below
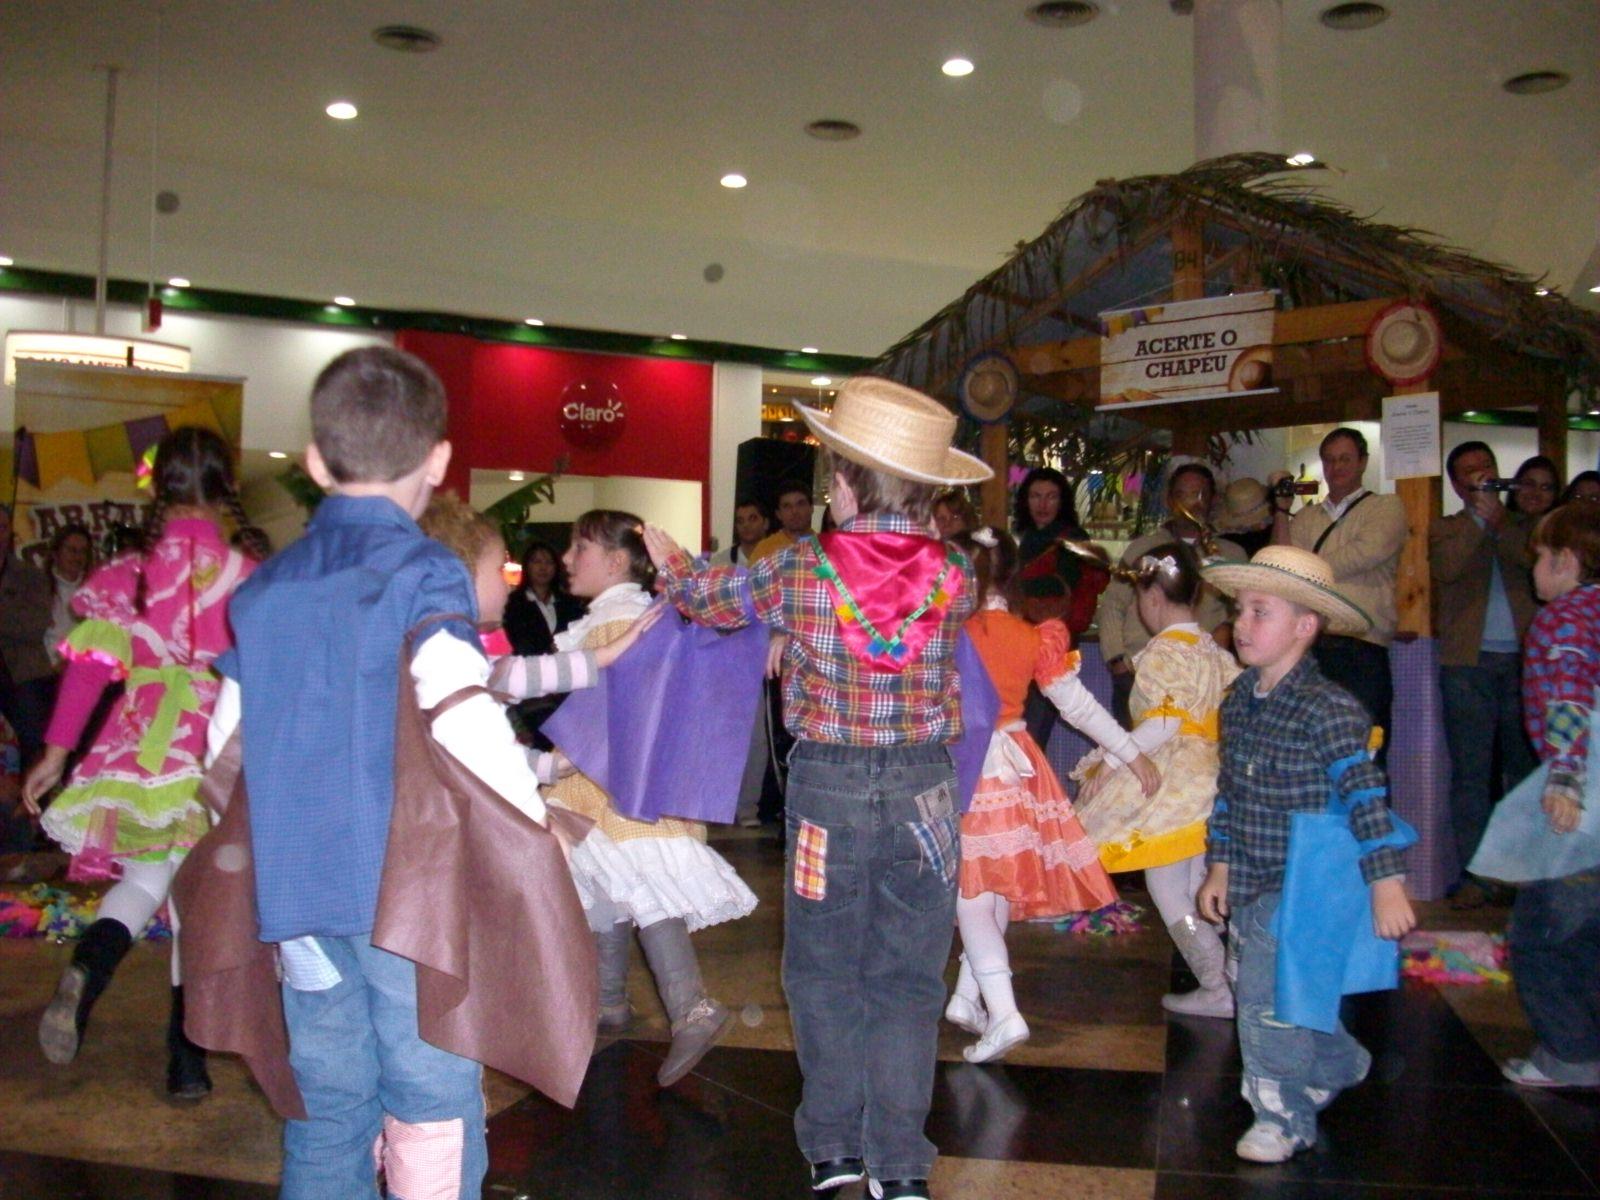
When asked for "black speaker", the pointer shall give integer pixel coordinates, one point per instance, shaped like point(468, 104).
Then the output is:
point(766, 464)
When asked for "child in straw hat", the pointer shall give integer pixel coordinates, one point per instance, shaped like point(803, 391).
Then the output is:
point(1286, 731)
point(872, 611)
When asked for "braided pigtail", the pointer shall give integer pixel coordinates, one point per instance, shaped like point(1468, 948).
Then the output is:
point(251, 538)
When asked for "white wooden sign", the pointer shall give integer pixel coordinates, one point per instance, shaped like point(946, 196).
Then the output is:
point(1188, 350)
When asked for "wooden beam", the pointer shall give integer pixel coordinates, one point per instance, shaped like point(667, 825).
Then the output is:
point(992, 493)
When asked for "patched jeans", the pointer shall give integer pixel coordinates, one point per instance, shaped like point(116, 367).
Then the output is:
point(1290, 1073)
point(869, 915)
point(372, 1086)
point(1555, 961)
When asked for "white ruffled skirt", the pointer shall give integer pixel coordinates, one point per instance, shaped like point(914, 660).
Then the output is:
point(645, 880)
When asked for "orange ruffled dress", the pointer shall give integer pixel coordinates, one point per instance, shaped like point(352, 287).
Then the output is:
point(1021, 838)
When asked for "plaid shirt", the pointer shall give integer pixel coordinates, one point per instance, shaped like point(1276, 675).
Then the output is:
point(1275, 752)
point(1560, 667)
point(827, 695)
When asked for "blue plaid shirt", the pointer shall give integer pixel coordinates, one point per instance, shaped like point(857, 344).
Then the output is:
point(1275, 754)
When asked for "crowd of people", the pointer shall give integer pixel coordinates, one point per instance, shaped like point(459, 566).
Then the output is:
point(1251, 683)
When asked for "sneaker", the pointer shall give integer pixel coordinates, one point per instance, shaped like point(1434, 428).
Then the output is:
point(899, 1189)
point(1202, 1002)
point(1265, 1142)
point(966, 1014)
point(1524, 1072)
point(997, 1040)
point(836, 1172)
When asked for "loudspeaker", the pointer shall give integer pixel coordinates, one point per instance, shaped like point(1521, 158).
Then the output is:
point(765, 464)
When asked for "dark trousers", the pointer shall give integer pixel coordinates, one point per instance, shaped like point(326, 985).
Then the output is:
point(1555, 960)
point(1362, 669)
point(26, 708)
point(1489, 752)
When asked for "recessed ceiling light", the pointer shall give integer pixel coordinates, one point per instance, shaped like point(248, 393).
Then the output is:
point(1302, 159)
point(733, 180)
point(808, 349)
point(1595, 288)
point(178, 281)
point(276, 454)
point(1345, 17)
point(343, 301)
point(407, 39)
point(5, 262)
point(341, 110)
point(1541, 291)
point(532, 321)
point(1061, 14)
point(1532, 83)
point(956, 67)
point(679, 337)
point(821, 381)
point(832, 129)
point(515, 476)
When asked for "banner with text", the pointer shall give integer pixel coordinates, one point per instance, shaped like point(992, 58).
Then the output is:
point(1187, 350)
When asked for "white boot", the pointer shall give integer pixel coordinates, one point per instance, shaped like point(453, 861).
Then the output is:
point(965, 1010)
point(1202, 950)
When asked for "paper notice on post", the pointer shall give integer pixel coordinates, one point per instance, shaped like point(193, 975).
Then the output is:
point(1411, 435)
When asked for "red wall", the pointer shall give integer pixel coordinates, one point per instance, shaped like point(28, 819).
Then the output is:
point(505, 411)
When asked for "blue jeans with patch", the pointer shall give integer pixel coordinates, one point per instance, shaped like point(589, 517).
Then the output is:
point(364, 1071)
point(869, 915)
point(1290, 1073)
point(1555, 961)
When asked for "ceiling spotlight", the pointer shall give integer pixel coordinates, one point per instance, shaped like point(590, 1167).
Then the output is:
point(1532, 83)
point(1303, 159)
point(734, 180)
point(276, 454)
point(1595, 288)
point(831, 129)
point(515, 476)
point(956, 67)
point(343, 301)
point(5, 262)
point(178, 281)
point(1541, 291)
point(821, 381)
point(679, 337)
point(532, 321)
point(1347, 17)
point(407, 39)
point(1062, 14)
point(341, 110)
point(813, 349)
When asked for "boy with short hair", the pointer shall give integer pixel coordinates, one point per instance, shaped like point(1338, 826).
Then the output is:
point(872, 612)
point(1285, 729)
point(313, 683)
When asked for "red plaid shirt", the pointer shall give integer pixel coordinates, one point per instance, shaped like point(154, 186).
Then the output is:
point(827, 695)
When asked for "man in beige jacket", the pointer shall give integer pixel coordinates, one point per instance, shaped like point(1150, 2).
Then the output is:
point(1360, 534)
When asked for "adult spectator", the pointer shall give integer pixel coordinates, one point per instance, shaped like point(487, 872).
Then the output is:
point(1360, 534)
point(1191, 488)
point(953, 513)
point(1246, 515)
point(27, 681)
point(751, 523)
point(71, 553)
point(1483, 602)
point(541, 607)
point(794, 520)
point(1049, 575)
point(1585, 486)
point(1538, 483)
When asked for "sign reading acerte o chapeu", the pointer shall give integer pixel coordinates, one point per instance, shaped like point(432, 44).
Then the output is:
point(1187, 350)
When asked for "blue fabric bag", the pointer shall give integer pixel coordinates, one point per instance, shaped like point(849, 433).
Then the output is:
point(1326, 945)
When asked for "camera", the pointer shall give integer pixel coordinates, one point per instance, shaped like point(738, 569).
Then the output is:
point(1494, 485)
point(1286, 489)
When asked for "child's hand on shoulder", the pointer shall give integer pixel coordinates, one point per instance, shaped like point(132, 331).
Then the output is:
point(612, 651)
point(1562, 805)
point(1211, 901)
point(1392, 915)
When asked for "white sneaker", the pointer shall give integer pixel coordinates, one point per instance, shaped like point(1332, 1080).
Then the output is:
point(1264, 1142)
point(1524, 1072)
point(966, 1014)
point(1202, 1002)
point(999, 1038)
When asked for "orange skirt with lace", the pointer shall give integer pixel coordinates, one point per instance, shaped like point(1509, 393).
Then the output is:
point(1024, 842)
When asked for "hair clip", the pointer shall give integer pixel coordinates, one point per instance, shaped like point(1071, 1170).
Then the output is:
point(985, 537)
point(144, 472)
point(1165, 565)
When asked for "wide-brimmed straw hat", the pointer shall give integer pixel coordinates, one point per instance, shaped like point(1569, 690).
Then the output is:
point(1245, 505)
point(1296, 575)
point(894, 429)
point(1404, 342)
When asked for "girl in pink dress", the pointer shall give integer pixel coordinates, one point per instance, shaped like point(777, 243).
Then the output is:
point(156, 620)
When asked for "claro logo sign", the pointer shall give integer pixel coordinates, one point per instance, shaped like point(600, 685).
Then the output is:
point(592, 413)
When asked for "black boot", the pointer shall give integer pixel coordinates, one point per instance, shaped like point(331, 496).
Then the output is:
point(186, 1062)
point(99, 951)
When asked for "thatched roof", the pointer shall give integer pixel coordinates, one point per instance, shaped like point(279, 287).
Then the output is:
point(1263, 225)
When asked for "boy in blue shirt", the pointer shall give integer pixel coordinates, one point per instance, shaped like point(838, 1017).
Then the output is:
point(313, 683)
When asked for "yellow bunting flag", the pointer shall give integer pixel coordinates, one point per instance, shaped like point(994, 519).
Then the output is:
point(62, 456)
point(109, 449)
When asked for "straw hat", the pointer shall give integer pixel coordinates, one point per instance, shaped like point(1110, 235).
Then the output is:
point(1245, 505)
point(894, 429)
point(988, 388)
point(1404, 342)
point(1297, 575)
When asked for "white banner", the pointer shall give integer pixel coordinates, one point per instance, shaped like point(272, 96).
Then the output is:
point(1187, 350)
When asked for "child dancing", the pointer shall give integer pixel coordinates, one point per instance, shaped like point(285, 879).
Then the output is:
point(1179, 681)
point(158, 619)
point(686, 884)
point(1023, 853)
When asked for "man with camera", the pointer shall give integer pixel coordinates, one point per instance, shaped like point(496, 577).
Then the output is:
point(1360, 534)
point(1483, 602)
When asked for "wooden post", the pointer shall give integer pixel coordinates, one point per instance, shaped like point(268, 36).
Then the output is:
point(1414, 582)
point(1553, 428)
point(1188, 260)
point(992, 445)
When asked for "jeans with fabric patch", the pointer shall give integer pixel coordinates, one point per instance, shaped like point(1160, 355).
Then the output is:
point(1290, 1073)
point(364, 1071)
point(867, 934)
point(1555, 961)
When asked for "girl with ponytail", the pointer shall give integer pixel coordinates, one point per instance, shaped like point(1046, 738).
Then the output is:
point(156, 618)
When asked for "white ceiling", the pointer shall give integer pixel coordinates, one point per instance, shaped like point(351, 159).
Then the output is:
point(561, 160)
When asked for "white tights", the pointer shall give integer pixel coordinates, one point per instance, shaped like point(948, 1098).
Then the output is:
point(1173, 889)
point(134, 899)
point(983, 921)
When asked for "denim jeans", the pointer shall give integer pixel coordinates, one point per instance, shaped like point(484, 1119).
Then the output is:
point(364, 1072)
point(872, 858)
point(1555, 961)
point(1290, 1073)
point(1482, 713)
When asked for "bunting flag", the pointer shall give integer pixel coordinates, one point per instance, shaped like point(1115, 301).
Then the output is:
point(87, 455)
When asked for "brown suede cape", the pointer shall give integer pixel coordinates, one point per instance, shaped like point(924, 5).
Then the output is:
point(473, 891)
